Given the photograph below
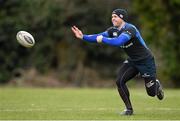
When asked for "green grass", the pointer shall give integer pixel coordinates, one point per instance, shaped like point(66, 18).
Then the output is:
point(84, 104)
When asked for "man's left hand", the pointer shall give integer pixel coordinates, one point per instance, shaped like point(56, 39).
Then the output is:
point(99, 39)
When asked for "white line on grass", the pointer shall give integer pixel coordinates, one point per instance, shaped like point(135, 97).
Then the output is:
point(60, 109)
point(90, 120)
point(81, 109)
point(164, 109)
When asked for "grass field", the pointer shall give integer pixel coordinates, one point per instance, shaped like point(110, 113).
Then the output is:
point(84, 104)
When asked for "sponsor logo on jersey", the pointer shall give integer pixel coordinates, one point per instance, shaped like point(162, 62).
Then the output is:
point(115, 34)
point(127, 46)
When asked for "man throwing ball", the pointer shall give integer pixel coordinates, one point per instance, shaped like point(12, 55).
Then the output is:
point(126, 36)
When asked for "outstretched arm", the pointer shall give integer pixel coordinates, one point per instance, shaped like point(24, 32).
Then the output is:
point(124, 37)
point(89, 38)
point(120, 40)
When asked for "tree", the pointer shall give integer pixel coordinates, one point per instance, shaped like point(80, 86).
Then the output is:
point(160, 25)
point(49, 22)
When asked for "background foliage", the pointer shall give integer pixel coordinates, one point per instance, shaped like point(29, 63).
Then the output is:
point(59, 55)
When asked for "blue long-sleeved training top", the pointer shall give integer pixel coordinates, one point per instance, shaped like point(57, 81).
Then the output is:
point(128, 38)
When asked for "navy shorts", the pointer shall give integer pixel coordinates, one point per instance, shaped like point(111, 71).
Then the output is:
point(146, 67)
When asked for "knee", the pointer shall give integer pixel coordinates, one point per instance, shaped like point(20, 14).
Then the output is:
point(120, 83)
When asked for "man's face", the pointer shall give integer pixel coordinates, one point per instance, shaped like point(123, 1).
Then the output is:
point(116, 20)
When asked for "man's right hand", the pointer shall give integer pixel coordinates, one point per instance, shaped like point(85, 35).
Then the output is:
point(78, 33)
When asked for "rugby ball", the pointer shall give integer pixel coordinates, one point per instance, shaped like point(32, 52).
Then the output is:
point(25, 39)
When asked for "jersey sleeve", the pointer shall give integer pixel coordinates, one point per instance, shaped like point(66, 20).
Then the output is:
point(124, 37)
point(92, 38)
point(118, 41)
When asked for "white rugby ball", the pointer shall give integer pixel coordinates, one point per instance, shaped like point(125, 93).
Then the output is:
point(25, 39)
